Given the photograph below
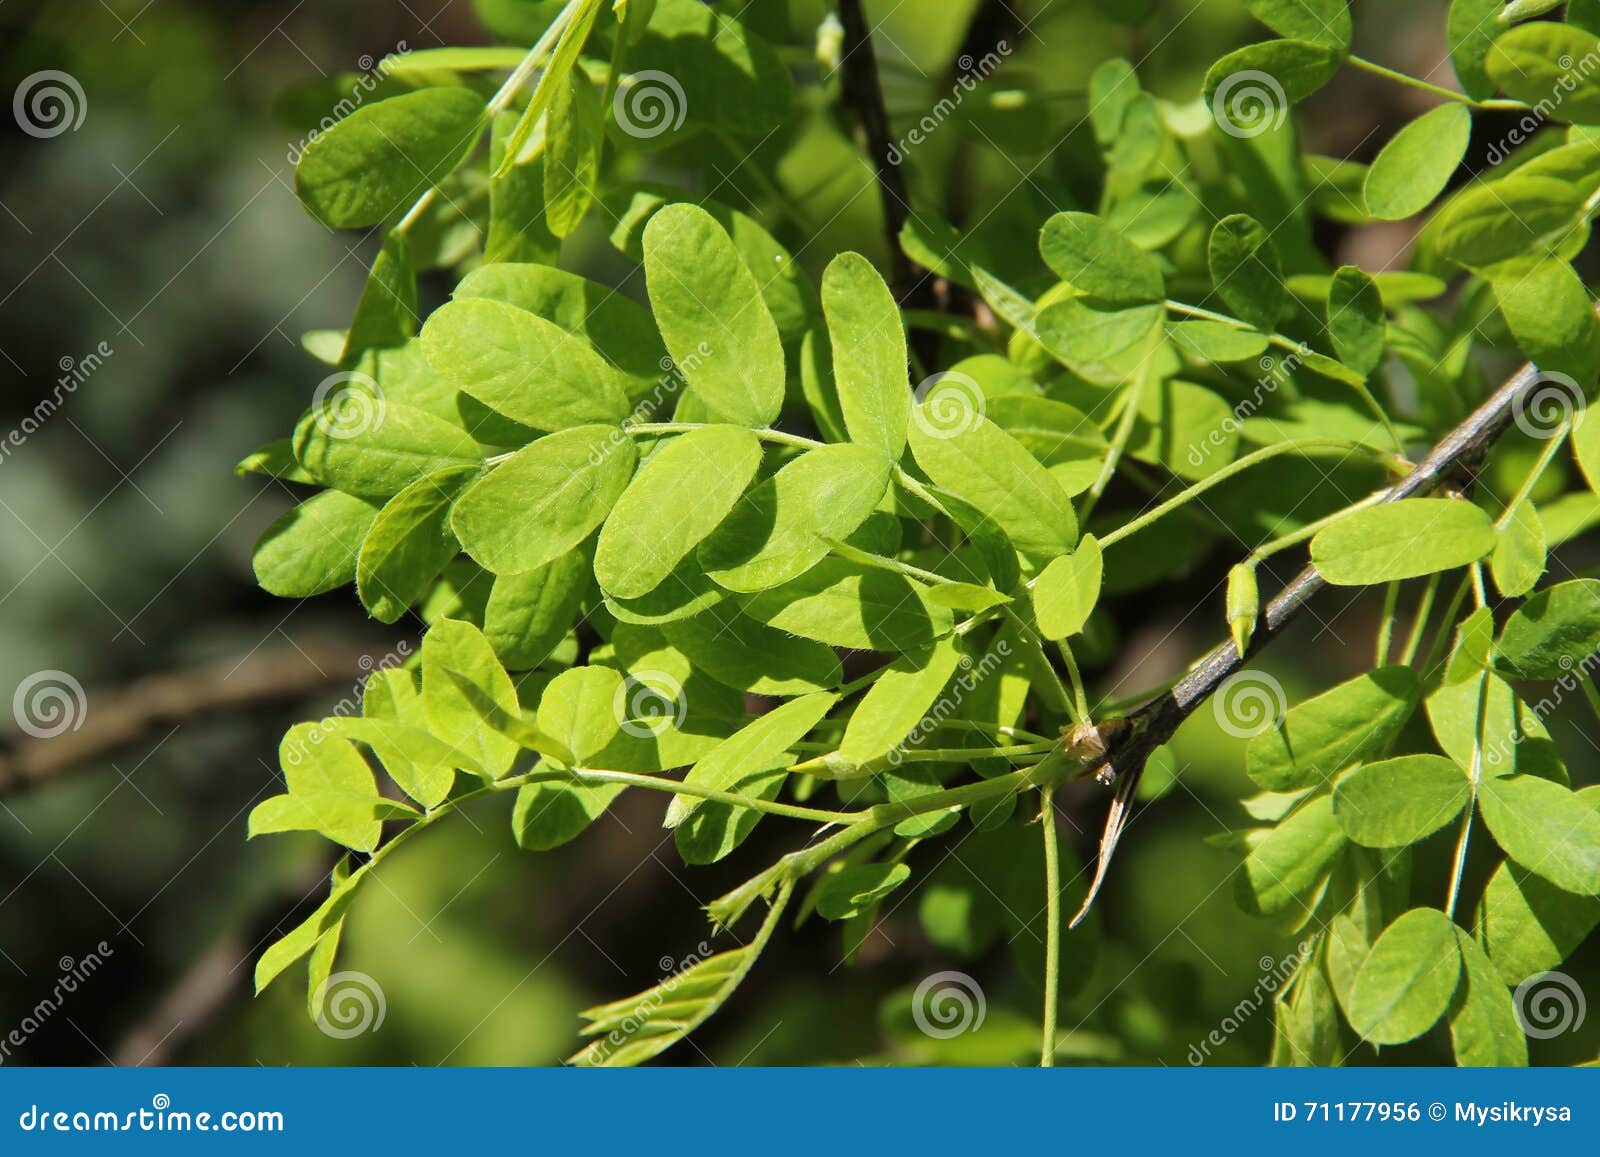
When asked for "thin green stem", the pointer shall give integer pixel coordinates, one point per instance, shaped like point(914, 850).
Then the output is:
point(1309, 530)
point(1589, 693)
point(1052, 925)
point(1420, 622)
point(1441, 640)
point(1075, 678)
point(1475, 775)
point(1391, 599)
point(1233, 469)
point(1552, 447)
point(1119, 441)
point(881, 562)
point(678, 787)
point(1028, 635)
point(1377, 69)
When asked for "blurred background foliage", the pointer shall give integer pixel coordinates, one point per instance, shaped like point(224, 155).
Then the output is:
point(165, 227)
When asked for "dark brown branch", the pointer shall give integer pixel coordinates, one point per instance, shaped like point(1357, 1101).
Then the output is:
point(863, 92)
point(115, 718)
point(1154, 723)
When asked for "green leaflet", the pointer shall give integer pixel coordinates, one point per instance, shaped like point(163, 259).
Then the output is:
point(518, 230)
point(328, 777)
point(1099, 262)
point(741, 653)
point(898, 701)
point(382, 157)
point(726, 76)
point(1586, 449)
point(1399, 801)
point(312, 548)
point(1324, 734)
point(293, 945)
point(1299, 67)
point(545, 499)
point(1551, 315)
point(1549, 65)
point(552, 80)
point(1553, 632)
point(1357, 324)
point(783, 525)
point(1245, 270)
point(1516, 218)
point(578, 709)
point(1401, 540)
point(683, 492)
point(1319, 21)
point(1471, 30)
point(989, 469)
point(1519, 552)
point(1529, 925)
point(853, 890)
point(1106, 346)
point(458, 668)
point(1212, 341)
point(845, 605)
point(1407, 980)
point(869, 354)
point(1066, 591)
point(711, 316)
point(358, 442)
point(1484, 1027)
point(574, 137)
point(784, 285)
point(1060, 436)
point(520, 365)
point(528, 614)
point(750, 762)
point(1417, 163)
point(386, 316)
point(409, 544)
point(619, 329)
point(1545, 828)
point(1282, 871)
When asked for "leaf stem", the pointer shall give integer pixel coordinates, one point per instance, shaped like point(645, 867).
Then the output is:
point(1052, 934)
point(1234, 468)
point(1398, 77)
point(1420, 623)
point(1391, 598)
